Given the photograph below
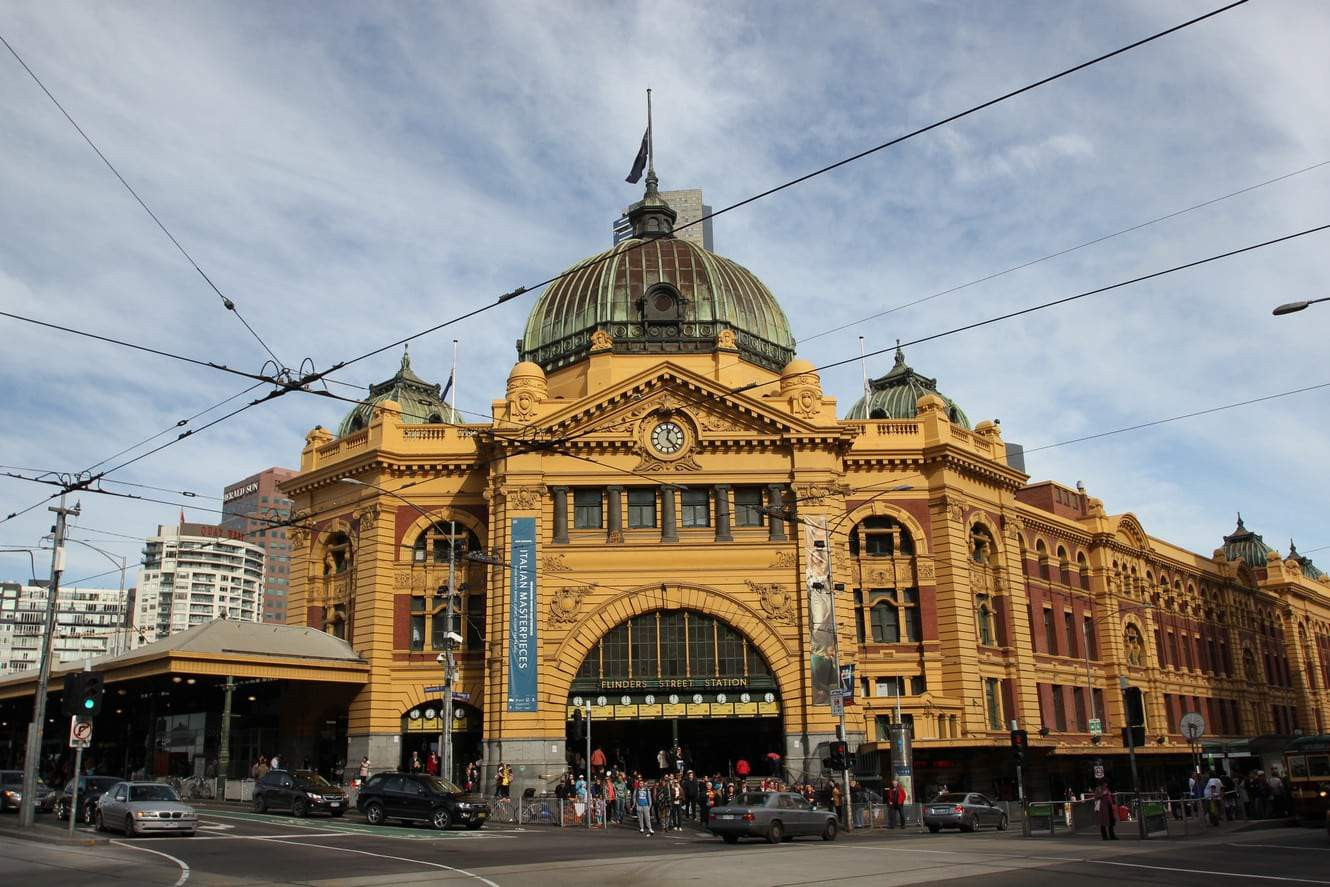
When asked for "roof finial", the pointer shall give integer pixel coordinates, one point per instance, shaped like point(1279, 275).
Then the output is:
point(406, 357)
point(900, 355)
point(1240, 526)
point(1292, 549)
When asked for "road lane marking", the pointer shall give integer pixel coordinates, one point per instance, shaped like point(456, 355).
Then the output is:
point(1282, 846)
point(437, 865)
point(184, 866)
point(365, 829)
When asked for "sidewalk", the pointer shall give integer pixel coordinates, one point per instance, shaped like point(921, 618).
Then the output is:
point(49, 830)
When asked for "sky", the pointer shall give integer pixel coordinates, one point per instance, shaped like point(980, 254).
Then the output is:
point(352, 173)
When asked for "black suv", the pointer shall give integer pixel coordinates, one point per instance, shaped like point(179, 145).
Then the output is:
point(418, 797)
point(90, 789)
point(300, 791)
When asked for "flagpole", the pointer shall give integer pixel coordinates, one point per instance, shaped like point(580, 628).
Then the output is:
point(864, 367)
point(651, 147)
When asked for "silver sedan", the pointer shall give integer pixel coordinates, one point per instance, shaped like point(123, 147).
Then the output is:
point(967, 811)
point(137, 808)
point(776, 816)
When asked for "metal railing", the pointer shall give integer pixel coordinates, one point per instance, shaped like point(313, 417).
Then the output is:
point(1151, 814)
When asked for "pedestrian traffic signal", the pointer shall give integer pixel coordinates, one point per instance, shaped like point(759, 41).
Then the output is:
point(83, 693)
point(839, 753)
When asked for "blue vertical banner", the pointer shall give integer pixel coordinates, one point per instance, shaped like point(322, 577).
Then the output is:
point(522, 616)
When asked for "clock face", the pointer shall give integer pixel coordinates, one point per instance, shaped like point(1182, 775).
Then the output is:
point(667, 438)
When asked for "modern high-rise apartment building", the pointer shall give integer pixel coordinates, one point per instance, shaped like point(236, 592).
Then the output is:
point(250, 506)
point(89, 622)
point(689, 206)
point(194, 573)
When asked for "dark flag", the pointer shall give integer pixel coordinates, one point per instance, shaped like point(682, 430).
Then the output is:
point(449, 387)
point(640, 162)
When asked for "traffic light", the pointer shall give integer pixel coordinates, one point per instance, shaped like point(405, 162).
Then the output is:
point(83, 693)
point(1020, 741)
point(839, 755)
point(1134, 703)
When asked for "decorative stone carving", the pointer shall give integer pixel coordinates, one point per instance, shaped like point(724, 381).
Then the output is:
point(776, 600)
point(807, 493)
point(524, 498)
point(784, 560)
point(554, 563)
point(685, 462)
point(726, 341)
point(565, 602)
point(527, 388)
point(369, 517)
point(715, 422)
point(924, 567)
point(299, 538)
point(601, 341)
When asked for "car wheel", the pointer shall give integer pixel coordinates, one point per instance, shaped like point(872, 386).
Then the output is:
point(101, 826)
point(730, 839)
point(374, 813)
point(60, 809)
point(260, 804)
point(829, 833)
point(1002, 823)
point(300, 808)
point(775, 832)
point(440, 819)
point(129, 826)
point(935, 829)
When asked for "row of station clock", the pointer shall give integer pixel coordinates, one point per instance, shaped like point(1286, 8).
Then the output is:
point(674, 699)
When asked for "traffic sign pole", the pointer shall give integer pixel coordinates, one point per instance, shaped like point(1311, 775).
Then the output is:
point(80, 737)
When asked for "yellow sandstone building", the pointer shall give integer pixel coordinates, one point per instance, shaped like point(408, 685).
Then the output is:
point(652, 496)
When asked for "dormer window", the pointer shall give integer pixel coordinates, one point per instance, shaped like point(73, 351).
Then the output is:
point(662, 303)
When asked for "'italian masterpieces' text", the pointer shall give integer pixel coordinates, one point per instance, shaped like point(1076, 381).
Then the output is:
point(522, 617)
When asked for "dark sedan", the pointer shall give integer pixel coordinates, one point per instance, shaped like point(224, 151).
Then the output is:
point(11, 793)
point(300, 791)
point(967, 811)
point(776, 816)
point(91, 788)
point(419, 797)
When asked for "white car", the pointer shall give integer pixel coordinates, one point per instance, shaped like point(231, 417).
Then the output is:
point(138, 808)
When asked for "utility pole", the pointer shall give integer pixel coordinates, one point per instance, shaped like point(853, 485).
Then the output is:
point(33, 753)
point(449, 663)
point(224, 741)
point(588, 764)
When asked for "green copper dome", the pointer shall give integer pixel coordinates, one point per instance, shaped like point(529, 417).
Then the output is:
point(422, 403)
point(1244, 545)
point(1309, 569)
point(656, 294)
point(895, 395)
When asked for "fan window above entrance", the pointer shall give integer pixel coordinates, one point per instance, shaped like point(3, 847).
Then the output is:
point(673, 649)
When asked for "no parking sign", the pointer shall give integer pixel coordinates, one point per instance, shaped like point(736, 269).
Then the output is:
point(80, 732)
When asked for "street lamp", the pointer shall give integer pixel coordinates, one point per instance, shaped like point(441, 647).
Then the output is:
point(1293, 307)
point(451, 638)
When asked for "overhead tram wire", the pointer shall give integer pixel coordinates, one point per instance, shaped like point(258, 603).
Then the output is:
point(1054, 303)
point(227, 303)
point(592, 263)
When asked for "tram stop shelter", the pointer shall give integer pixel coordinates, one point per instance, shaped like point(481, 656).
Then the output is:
point(165, 704)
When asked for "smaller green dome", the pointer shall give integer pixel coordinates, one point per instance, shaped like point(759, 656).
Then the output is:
point(1309, 569)
point(1244, 545)
point(422, 402)
point(895, 396)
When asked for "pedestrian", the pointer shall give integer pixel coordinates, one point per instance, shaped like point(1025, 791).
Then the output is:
point(662, 760)
point(1106, 811)
point(275, 763)
point(642, 800)
point(432, 764)
point(261, 768)
point(1214, 796)
point(503, 782)
point(896, 802)
point(364, 770)
point(597, 762)
point(690, 795)
point(773, 762)
point(1276, 785)
point(742, 769)
point(676, 804)
point(416, 765)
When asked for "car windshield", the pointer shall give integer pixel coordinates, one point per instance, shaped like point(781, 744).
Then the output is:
point(951, 798)
point(100, 783)
point(152, 793)
point(311, 778)
point(441, 785)
point(751, 799)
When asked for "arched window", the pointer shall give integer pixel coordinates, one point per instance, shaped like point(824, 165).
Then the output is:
point(1249, 669)
point(434, 544)
point(676, 649)
point(985, 621)
point(1083, 568)
point(881, 536)
point(338, 584)
point(982, 549)
point(1135, 645)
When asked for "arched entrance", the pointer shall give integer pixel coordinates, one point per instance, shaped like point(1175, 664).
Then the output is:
point(678, 676)
point(422, 725)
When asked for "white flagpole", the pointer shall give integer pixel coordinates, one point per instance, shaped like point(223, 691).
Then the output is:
point(863, 365)
point(651, 147)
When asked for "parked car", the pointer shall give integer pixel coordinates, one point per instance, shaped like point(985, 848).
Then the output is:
point(419, 797)
point(11, 793)
point(300, 791)
point(967, 811)
point(90, 789)
point(137, 808)
point(776, 816)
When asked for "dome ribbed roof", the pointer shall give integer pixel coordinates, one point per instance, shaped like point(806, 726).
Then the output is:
point(895, 396)
point(656, 294)
point(1244, 545)
point(1309, 569)
point(421, 402)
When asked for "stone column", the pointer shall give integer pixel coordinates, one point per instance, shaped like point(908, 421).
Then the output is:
point(776, 499)
point(669, 527)
point(560, 514)
point(614, 496)
point(723, 533)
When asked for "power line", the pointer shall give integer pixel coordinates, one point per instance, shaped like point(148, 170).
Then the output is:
point(1031, 309)
point(226, 302)
point(1062, 252)
point(591, 263)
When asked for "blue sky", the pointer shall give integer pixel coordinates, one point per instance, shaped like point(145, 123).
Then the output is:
point(350, 173)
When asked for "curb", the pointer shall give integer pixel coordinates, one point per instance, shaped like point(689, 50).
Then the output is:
point(50, 836)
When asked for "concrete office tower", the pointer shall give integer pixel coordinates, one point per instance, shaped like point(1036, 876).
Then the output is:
point(687, 203)
point(250, 506)
point(194, 573)
point(89, 622)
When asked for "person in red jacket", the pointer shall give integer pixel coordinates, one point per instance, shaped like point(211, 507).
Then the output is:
point(896, 804)
point(741, 768)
